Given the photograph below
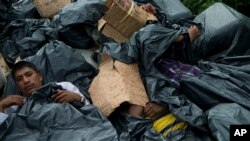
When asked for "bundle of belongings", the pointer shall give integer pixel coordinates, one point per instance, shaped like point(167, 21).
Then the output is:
point(122, 70)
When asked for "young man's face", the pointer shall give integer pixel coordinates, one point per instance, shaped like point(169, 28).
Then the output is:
point(28, 80)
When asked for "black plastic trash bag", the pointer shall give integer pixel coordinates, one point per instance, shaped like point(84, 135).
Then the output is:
point(38, 34)
point(140, 128)
point(218, 84)
point(145, 47)
point(3, 15)
point(225, 33)
point(77, 23)
point(42, 119)
point(75, 36)
point(59, 62)
point(22, 9)
point(12, 32)
point(24, 37)
point(174, 10)
point(29, 46)
point(81, 11)
point(222, 116)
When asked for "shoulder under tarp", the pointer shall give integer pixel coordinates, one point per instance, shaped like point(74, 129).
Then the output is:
point(59, 62)
point(40, 119)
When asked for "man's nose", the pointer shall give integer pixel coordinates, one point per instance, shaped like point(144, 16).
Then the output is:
point(26, 80)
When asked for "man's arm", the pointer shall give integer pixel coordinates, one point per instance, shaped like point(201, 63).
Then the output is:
point(149, 8)
point(9, 101)
point(153, 109)
point(6, 103)
point(70, 94)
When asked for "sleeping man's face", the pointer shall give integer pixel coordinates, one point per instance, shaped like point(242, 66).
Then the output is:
point(28, 80)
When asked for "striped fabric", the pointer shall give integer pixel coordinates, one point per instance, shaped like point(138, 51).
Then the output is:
point(3, 117)
point(174, 70)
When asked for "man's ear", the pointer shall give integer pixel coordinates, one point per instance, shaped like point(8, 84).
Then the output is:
point(41, 77)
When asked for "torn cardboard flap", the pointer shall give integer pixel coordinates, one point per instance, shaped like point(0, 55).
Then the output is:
point(48, 8)
point(116, 83)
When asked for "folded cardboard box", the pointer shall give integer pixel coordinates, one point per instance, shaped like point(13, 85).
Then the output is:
point(116, 83)
point(48, 8)
point(122, 19)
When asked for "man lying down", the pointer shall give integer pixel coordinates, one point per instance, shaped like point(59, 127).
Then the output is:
point(42, 112)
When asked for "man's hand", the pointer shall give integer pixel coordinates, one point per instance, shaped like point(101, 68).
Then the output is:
point(193, 32)
point(62, 96)
point(153, 109)
point(11, 100)
point(149, 8)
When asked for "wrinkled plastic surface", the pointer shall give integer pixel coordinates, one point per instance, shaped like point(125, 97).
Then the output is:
point(225, 33)
point(24, 38)
point(21, 9)
point(75, 36)
point(81, 11)
point(59, 62)
point(3, 15)
point(224, 38)
point(140, 128)
point(146, 46)
point(173, 9)
point(42, 119)
point(222, 116)
point(16, 9)
point(218, 83)
point(82, 15)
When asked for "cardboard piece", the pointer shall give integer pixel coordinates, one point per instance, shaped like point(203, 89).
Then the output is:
point(48, 8)
point(5, 68)
point(116, 83)
point(122, 19)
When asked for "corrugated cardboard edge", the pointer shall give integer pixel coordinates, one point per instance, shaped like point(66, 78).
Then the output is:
point(47, 9)
point(110, 31)
point(109, 3)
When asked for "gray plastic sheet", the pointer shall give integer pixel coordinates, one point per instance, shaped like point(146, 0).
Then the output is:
point(41, 119)
point(218, 83)
point(174, 10)
point(58, 62)
point(25, 37)
point(22, 9)
point(222, 116)
point(145, 47)
point(224, 34)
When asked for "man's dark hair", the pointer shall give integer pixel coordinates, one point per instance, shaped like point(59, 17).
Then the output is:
point(21, 64)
